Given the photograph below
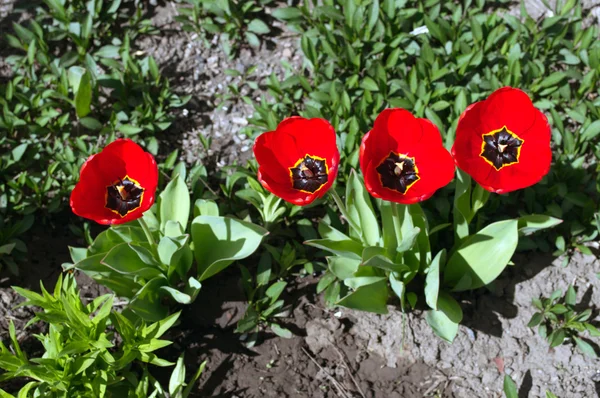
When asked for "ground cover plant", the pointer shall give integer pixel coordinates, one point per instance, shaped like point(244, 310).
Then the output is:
point(414, 169)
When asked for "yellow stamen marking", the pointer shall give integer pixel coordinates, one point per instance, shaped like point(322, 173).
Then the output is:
point(124, 195)
point(307, 171)
point(399, 168)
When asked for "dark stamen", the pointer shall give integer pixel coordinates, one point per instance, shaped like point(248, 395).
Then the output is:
point(398, 172)
point(124, 196)
point(309, 174)
point(501, 148)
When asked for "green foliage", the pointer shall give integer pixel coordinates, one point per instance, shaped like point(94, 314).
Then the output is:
point(558, 321)
point(233, 21)
point(74, 78)
point(150, 261)
point(392, 247)
point(89, 349)
point(362, 57)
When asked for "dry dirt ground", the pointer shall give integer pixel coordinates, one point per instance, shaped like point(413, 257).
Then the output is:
point(334, 353)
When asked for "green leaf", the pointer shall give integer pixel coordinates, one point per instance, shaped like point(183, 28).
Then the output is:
point(252, 39)
point(90, 123)
point(287, 13)
point(571, 296)
point(275, 290)
point(219, 241)
point(178, 296)
point(510, 388)
point(175, 203)
point(345, 248)
point(371, 298)
point(591, 131)
point(259, 27)
point(326, 280)
point(557, 338)
point(585, 347)
point(553, 79)
point(177, 380)
point(281, 331)
point(129, 259)
point(445, 320)
point(343, 267)
point(382, 262)
point(373, 15)
point(129, 130)
point(147, 302)
point(432, 280)
point(535, 222)
point(369, 84)
point(19, 151)
point(483, 256)
point(83, 98)
point(462, 205)
point(204, 207)
point(535, 320)
point(360, 208)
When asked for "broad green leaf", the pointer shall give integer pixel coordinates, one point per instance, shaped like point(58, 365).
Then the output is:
point(204, 207)
point(343, 267)
point(432, 280)
point(219, 241)
point(360, 208)
point(483, 256)
point(128, 259)
point(535, 222)
point(382, 262)
point(175, 203)
point(445, 320)
point(345, 248)
point(371, 298)
point(147, 302)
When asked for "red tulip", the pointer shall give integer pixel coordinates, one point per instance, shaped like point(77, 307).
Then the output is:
point(116, 185)
point(403, 158)
point(299, 160)
point(503, 142)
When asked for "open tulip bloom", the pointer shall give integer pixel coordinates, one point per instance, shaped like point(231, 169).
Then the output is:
point(116, 185)
point(298, 161)
point(403, 159)
point(503, 142)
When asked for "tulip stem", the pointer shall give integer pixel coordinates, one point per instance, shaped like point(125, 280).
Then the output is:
point(340, 204)
point(147, 231)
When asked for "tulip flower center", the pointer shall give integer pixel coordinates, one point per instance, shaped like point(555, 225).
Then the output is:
point(124, 196)
point(309, 174)
point(501, 148)
point(398, 172)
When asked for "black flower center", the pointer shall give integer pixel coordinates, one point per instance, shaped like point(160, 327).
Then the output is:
point(398, 172)
point(309, 174)
point(501, 148)
point(124, 196)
